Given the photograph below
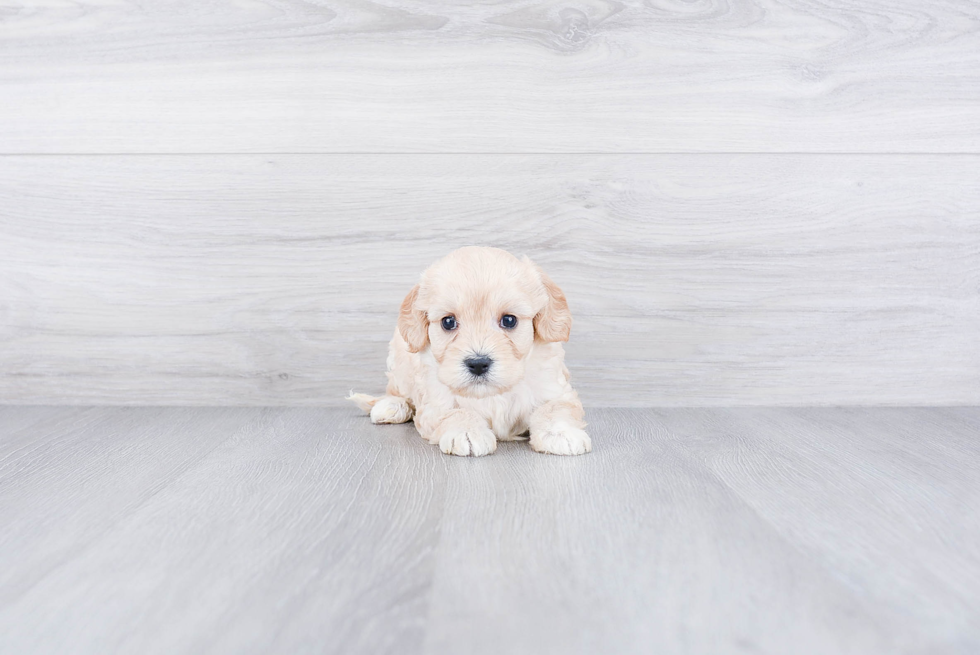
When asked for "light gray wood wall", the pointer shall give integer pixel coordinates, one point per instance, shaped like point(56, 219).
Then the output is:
point(512, 76)
point(747, 203)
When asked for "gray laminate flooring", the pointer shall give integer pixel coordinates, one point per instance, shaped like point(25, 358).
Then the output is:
point(172, 530)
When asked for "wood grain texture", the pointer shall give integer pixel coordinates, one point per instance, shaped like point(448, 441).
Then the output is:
point(693, 279)
point(514, 76)
point(50, 491)
point(310, 530)
point(219, 530)
point(884, 463)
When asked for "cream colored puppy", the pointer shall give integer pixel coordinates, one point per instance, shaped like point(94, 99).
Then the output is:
point(477, 357)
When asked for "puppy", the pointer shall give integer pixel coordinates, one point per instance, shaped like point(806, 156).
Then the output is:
point(477, 358)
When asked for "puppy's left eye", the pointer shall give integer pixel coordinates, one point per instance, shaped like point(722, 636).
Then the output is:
point(508, 321)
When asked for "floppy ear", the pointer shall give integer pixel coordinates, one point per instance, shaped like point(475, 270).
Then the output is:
point(413, 324)
point(554, 322)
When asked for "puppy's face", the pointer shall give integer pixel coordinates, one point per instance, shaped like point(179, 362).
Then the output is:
point(479, 311)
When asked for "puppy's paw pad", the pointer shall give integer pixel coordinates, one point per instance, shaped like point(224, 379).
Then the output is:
point(468, 442)
point(391, 409)
point(561, 440)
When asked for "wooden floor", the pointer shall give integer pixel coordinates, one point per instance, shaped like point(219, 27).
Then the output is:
point(164, 530)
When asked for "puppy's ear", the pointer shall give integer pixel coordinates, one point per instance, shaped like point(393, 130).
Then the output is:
point(413, 324)
point(554, 322)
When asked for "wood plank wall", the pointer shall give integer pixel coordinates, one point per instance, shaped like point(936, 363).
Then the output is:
point(209, 202)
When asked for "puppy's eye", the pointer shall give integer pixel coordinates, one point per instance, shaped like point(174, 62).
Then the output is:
point(449, 323)
point(508, 321)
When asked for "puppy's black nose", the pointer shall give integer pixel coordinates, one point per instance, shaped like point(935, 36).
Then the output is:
point(478, 365)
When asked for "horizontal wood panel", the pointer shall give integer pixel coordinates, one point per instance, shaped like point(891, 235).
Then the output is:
point(515, 76)
point(694, 279)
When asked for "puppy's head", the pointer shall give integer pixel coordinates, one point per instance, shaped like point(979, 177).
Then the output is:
point(480, 310)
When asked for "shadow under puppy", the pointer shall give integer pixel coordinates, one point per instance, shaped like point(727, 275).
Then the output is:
point(477, 357)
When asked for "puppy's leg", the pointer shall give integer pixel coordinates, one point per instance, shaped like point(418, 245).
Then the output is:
point(386, 409)
point(556, 428)
point(391, 409)
point(462, 432)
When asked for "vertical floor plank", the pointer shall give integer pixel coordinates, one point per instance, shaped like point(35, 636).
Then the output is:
point(74, 477)
point(302, 531)
point(632, 549)
point(15, 418)
point(24, 429)
point(885, 499)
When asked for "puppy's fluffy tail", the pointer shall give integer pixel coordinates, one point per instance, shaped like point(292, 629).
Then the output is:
point(362, 400)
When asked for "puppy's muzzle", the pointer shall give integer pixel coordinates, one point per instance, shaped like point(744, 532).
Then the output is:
point(478, 366)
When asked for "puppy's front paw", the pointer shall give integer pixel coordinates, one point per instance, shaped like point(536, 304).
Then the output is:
point(468, 442)
point(561, 439)
point(391, 409)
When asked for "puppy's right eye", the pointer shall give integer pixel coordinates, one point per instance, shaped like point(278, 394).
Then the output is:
point(449, 323)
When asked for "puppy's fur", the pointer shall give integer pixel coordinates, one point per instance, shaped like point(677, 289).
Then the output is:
point(524, 391)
